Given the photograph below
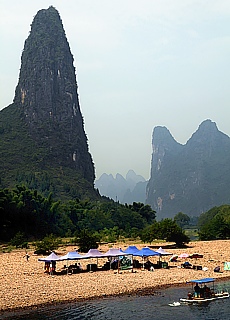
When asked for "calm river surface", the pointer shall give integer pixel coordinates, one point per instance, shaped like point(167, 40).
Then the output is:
point(141, 308)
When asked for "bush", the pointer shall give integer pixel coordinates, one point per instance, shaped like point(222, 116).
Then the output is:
point(47, 244)
point(19, 241)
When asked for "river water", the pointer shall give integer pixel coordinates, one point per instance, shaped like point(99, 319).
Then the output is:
point(133, 307)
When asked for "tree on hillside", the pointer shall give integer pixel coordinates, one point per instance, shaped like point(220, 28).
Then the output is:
point(182, 219)
point(215, 223)
point(205, 217)
point(145, 211)
point(27, 211)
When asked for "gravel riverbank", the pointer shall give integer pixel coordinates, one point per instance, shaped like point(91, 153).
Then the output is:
point(24, 283)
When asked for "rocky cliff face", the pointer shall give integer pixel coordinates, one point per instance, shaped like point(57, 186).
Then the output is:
point(46, 102)
point(191, 178)
point(47, 94)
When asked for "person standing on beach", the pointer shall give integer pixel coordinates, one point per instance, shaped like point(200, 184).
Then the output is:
point(26, 256)
point(52, 267)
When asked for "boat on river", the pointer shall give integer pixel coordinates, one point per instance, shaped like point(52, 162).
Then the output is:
point(204, 291)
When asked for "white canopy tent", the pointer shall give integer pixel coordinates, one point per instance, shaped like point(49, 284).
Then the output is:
point(92, 253)
point(72, 255)
point(163, 252)
point(113, 252)
point(52, 257)
point(123, 259)
point(50, 262)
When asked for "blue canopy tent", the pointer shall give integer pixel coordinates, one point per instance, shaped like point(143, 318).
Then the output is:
point(131, 250)
point(145, 252)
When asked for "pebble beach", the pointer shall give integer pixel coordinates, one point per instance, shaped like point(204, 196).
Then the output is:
point(25, 285)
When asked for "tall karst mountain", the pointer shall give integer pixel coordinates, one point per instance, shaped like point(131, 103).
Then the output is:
point(43, 142)
point(190, 178)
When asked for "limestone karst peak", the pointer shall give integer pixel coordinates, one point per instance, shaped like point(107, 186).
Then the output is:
point(46, 103)
point(190, 178)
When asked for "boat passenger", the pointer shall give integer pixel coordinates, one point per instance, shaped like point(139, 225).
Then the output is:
point(197, 290)
point(207, 291)
point(202, 292)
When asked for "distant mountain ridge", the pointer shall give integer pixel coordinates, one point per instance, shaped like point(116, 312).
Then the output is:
point(191, 178)
point(125, 190)
point(42, 139)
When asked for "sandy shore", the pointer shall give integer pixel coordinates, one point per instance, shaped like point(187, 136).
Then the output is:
point(24, 283)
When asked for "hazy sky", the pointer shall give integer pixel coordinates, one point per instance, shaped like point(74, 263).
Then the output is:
point(140, 64)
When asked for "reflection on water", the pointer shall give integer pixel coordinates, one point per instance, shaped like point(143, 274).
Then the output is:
point(127, 308)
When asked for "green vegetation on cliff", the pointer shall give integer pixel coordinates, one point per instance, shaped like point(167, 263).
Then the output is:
point(215, 223)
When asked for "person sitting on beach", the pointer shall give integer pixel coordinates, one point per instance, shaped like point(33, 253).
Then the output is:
point(148, 265)
point(217, 269)
point(187, 265)
point(114, 264)
point(173, 259)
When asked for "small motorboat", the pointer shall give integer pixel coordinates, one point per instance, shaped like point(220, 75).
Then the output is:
point(203, 293)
